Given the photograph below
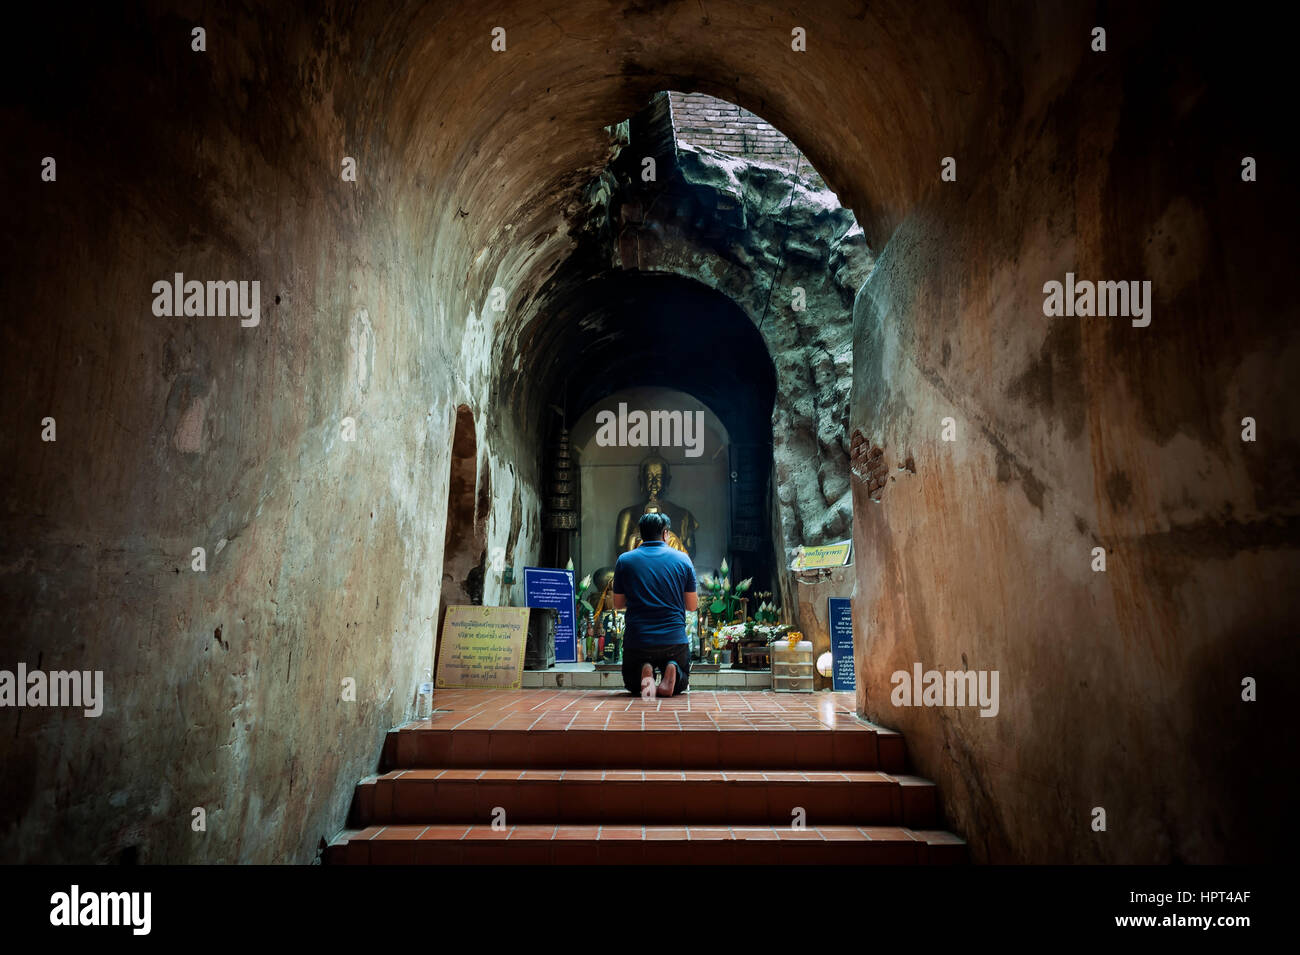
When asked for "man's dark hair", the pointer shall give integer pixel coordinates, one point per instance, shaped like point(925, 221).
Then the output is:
point(652, 526)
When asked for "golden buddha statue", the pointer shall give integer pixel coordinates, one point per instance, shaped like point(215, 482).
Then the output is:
point(653, 481)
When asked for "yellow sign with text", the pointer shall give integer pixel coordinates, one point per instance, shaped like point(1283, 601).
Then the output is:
point(483, 647)
point(827, 555)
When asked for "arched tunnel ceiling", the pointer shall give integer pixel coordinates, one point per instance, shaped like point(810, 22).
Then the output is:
point(505, 142)
point(628, 328)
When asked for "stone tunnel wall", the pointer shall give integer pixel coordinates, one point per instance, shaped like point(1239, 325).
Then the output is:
point(223, 687)
point(783, 249)
point(1119, 690)
point(792, 259)
point(780, 247)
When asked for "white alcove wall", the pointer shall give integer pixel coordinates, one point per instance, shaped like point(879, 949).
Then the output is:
point(608, 478)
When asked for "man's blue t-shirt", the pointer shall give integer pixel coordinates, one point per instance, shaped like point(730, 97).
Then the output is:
point(653, 578)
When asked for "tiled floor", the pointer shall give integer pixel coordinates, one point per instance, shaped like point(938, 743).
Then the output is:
point(615, 709)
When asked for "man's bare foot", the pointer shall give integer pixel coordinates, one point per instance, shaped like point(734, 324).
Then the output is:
point(669, 682)
point(647, 681)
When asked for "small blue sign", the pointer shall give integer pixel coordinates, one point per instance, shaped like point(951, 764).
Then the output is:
point(843, 676)
point(552, 588)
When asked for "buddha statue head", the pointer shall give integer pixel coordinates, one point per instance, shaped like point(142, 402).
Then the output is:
point(654, 477)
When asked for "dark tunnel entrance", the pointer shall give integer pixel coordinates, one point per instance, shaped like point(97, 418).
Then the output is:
point(688, 358)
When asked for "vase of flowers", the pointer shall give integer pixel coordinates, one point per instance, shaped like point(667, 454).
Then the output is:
point(767, 611)
point(724, 602)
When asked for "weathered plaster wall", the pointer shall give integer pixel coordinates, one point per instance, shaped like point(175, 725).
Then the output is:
point(1121, 689)
point(323, 556)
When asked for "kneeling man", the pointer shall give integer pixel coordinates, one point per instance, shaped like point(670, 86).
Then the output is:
point(655, 585)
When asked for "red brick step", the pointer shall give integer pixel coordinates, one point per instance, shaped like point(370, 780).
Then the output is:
point(641, 845)
point(590, 777)
point(651, 797)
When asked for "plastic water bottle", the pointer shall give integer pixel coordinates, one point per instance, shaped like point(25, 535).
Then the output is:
point(424, 702)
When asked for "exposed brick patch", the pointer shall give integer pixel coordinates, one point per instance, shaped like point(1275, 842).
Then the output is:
point(713, 123)
point(857, 455)
point(868, 464)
